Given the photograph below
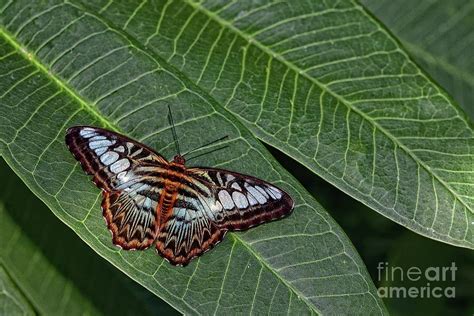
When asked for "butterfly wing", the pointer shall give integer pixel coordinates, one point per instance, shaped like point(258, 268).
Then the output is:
point(188, 233)
point(243, 201)
point(212, 202)
point(123, 169)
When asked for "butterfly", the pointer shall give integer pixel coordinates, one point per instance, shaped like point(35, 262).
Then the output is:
point(184, 211)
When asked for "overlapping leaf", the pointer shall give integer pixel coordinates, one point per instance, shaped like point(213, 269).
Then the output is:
point(323, 82)
point(12, 301)
point(439, 35)
point(64, 64)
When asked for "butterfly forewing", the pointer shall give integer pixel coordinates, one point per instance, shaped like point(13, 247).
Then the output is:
point(185, 211)
point(239, 201)
point(120, 167)
point(112, 158)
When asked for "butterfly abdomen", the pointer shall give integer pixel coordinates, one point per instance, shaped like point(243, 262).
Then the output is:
point(167, 200)
point(173, 180)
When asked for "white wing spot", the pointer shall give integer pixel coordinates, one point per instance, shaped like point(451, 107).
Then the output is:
point(99, 151)
point(264, 193)
point(216, 207)
point(230, 177)
point(120, 165)
point(87, 132)
point(109, 157)
point(120, 149)
point(100, 143)
point(236, 186)
point(267, 189)
point(219, 179)
point(259, 196)
point(122, 176)
point(98, 137)
point(240, 200)
point(189, 215)
point(128, 181)
point(252, 200)
point(275, 192)
point(137, 152)
point(181, 213)
point(226, 199)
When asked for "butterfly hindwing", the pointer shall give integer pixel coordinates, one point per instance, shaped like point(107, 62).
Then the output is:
point(121, 168)
point(187, 234)
point(131, 219)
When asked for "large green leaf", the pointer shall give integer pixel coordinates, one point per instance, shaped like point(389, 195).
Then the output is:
point(439, 35)
point(57, 272)
point(12, 301)
point(63, 64)
point(325, 83)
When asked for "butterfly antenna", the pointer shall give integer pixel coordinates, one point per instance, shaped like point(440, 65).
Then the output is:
point(173, 130)
point(205, 145)
point(208, 152)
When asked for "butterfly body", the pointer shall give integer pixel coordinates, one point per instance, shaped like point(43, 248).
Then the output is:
point(173, 180)
point(183, 211)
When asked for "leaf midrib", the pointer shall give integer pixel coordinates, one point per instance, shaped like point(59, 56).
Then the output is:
point(93, 111)
point(340, 98)
point(32, 59)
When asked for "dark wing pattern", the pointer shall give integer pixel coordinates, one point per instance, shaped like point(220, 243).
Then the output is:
point(187, 234)
point(212, 202)
point(121, 168)
point(244, 201)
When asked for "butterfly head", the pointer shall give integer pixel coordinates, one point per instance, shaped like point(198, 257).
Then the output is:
point(178, 159)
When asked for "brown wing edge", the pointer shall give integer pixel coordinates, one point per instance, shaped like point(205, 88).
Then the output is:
point(85, 158)
point(108, 201)
point(72, 136)
point(182, 258)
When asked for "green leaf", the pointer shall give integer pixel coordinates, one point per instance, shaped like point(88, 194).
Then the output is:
point(12, 301)
point(326, 84)
point(54, 268)
point(63, 64)
point(438, 35)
